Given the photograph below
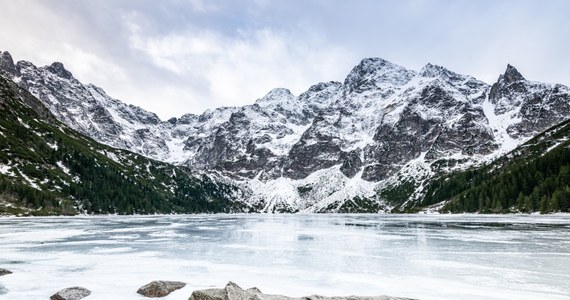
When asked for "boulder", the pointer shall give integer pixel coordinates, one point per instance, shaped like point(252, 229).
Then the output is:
point(4, 272)
point(159, 288)
point(209, 294)
point(72, 293)
point(233, 291)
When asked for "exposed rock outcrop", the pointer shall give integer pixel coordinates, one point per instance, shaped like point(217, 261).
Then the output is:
point(233, 291)
point(159, 288)
point(72, 293)
point(4, 272)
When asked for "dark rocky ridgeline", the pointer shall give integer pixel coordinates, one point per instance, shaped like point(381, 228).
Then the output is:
point(160, 288)
point(233, 291)
point(72, 293)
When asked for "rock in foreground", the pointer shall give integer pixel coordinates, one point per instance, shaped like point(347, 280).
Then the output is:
point(233, 291)
point(157, 289)
point(72, 293)
point(4, 272)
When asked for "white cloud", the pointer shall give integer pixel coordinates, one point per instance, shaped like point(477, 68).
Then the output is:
point(241, 68)
point(181, 56)
point(89, 67)
point(202, 5)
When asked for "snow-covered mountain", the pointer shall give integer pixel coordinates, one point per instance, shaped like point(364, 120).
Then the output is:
point(336, 146)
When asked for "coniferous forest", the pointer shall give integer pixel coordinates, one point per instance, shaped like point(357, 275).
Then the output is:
point(534, 177)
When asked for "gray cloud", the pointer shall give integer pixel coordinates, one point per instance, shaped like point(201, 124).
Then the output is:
point(179, 56)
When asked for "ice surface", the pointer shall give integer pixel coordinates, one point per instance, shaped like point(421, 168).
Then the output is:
point(425, 257)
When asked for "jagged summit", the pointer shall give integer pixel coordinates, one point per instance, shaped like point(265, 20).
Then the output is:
point(277, 94)
point(508, 88)
point(60, 70)
point(7, 64)
point(512, 74)
point(5, 55)
point(436, 71)
point(375, 62)
point(375, 72)
point(431, 70)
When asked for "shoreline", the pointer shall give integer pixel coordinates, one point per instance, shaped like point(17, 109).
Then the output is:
point(286, 214)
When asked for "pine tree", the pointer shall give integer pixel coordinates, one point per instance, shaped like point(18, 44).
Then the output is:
point(520, 201)
point(544, 204)
point(553, 205)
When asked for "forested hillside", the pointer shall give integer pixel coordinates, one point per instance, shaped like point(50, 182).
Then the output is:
point(47, 168)
point(533, 177)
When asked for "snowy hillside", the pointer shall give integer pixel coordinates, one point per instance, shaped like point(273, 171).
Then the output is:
point(336, 146)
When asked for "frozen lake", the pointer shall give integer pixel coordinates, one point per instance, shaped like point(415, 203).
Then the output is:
point(418, 256)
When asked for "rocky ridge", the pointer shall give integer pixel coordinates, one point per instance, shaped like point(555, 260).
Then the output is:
point(333, 148)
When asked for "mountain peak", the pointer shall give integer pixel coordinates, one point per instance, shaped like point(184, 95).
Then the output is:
point(375, 60)
point(436, 71)
point(375, 63)
point(279, 94)
point(431, 70)
point(512, 74)
point(7, 63)
point(58, 69)
point(6, 56)
point(376, 71)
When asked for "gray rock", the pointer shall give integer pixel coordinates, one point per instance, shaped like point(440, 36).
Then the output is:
point(209, 294)
point(371, 72)
point(7, 64)
point(4, 272)
point(160, 288)
point(351, 164)
point(58, 69)
point(233, 291)
point(72, 293)
point(539, 105)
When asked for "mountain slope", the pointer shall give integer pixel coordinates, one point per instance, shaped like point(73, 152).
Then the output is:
point(533, 177)
point(47, 168)
point(366, 144)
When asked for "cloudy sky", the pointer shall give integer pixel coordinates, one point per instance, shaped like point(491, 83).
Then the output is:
point(179, 56)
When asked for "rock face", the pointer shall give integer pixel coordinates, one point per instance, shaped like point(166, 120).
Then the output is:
point(233, 291)
point(334, 143)
point(86, 108)
point(72, 293)
point(4, 272)
point(533, 106)
point(157, 289)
